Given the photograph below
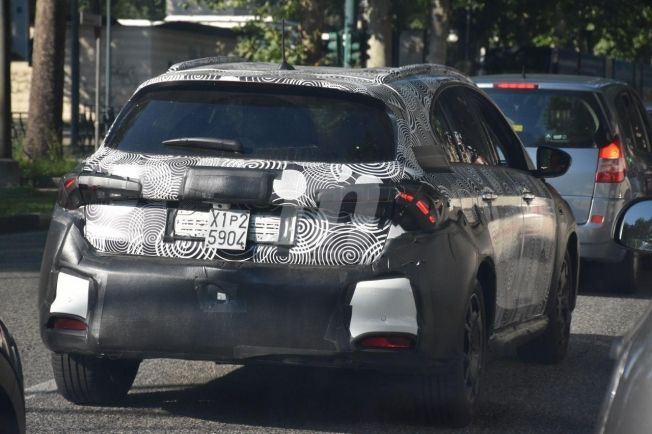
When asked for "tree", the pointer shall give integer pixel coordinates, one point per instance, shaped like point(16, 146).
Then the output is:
point(46, 93)
point(379, 26)
point(438, 31)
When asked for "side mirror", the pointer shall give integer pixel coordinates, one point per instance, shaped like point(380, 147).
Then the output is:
point(552, 162)
point(634, 228)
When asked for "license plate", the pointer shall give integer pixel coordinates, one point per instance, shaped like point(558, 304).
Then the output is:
point(227, 229)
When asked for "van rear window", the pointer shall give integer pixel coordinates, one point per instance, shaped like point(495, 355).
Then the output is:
point(565, 119)
point(266, 122)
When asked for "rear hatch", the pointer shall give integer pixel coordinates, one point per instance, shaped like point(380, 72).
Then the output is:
point(265, 174)
point(568, 119)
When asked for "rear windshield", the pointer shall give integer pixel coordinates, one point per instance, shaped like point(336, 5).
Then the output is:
point(269, 123)
point(565, 119)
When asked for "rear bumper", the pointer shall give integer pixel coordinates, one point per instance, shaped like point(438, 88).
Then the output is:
point(142, 307)
point(596, 240)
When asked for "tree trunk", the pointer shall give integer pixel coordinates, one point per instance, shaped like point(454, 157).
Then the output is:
point(438, 31)
point(43, 138)
point(311, 25)
point(379, 19)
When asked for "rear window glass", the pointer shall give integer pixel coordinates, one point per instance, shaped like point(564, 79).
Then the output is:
point(269, 123)
point(565, 119)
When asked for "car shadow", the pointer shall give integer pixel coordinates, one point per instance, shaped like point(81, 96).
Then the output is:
point(516, 397)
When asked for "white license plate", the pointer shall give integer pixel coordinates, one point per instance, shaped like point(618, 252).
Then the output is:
point(227, 229)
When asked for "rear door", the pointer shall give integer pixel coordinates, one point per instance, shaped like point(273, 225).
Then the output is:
point(483, 183)
point(570, 120)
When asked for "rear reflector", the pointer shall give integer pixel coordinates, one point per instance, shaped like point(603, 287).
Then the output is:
point(597, 219)
point(516, 86)
point(387, 342)
point(68, 324)
point(611, 164)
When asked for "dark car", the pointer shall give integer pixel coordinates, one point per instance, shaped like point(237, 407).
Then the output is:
point(385, 219)
point(12, 399)
point(628, 401)
point(602, 124)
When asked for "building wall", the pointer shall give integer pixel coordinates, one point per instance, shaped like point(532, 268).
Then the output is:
point(138, 53)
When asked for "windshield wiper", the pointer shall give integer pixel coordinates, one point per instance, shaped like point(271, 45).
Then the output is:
point(218, 144)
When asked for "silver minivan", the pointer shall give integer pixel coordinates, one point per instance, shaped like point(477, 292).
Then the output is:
point(602, 124)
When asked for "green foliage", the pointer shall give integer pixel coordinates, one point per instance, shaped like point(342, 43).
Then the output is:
point(46, 168)
point(260, 39)
point(26, 200)
point(135, 9)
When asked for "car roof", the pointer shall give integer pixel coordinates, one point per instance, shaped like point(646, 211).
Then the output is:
point(551, 81)
point(345, 79)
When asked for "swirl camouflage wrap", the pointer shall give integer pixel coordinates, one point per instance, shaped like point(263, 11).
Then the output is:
point(138, 228)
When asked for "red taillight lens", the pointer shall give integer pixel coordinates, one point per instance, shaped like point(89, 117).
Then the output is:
point(406, 196)
point(529, 86)
point(597, 219)
point(611, 164)
point(68, 324)
point(387, 342)
point(69, 183)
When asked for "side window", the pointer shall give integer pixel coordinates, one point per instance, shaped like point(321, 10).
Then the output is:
point(466, 134)
point(634, 134)
point(640, 124)
point(439, 127)
point(501, 136)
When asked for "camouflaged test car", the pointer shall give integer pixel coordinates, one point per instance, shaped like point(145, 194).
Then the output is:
point(382, 218)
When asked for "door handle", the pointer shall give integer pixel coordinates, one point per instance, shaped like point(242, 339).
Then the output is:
point(528, 196)
point(489, 196)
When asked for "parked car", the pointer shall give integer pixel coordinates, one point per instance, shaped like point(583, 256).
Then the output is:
point(601, 123)
point(384, 219)
point(628, 400)
point(12, 399)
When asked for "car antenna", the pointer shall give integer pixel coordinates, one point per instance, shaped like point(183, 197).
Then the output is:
point(285, 66)
point(523, 71)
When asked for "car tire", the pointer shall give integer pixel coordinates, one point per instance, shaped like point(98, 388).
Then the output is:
point(450, 397)
point(631, 272)
point(551, 346)
point(89, 380)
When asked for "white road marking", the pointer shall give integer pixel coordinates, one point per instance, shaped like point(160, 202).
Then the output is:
point(38, 389)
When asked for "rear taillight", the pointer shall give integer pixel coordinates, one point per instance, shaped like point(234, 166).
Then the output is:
point(67, 324)
point(69, 196)
point(416, 209)
point(387, 342)
point(611, 164)
point(526, 86)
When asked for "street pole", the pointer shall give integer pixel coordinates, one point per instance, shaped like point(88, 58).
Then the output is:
point(107, 74)
point(98, 47)
point(5, 80)
point(349, 28)
point(74, 74)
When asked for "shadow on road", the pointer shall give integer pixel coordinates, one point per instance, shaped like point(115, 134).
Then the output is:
point(516, 397)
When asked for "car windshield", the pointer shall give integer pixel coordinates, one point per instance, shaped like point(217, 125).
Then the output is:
point(263, 122)
point(565, 119)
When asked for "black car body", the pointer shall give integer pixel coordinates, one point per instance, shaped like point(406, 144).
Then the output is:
point(12, 398)
point(394, 223)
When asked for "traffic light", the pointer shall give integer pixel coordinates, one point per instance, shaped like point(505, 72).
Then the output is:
point(332, 45)
point(359, 48)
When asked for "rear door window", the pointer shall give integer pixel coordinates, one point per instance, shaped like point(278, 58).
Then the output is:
point(281, 123)
point(466, 137)
point(560, 118)
point(633, 120)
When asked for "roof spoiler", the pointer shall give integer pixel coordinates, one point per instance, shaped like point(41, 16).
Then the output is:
point(205, 61)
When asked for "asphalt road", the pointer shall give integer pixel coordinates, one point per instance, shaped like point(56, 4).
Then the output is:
point(178, 396)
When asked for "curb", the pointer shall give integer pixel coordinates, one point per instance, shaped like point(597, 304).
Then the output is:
point(24, 223)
